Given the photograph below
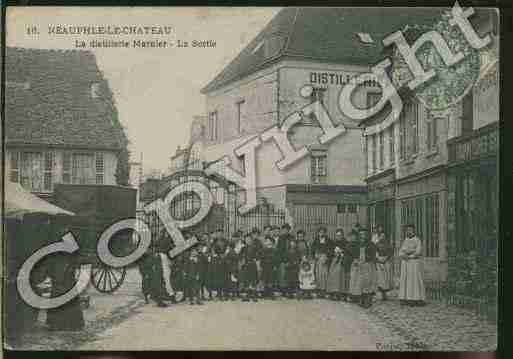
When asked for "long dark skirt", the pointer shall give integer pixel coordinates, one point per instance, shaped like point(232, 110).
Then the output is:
point(218, 273)
point(363, 279)
point(292, 276)
point(321, 272)
point(338, 279)
point(267, 275)
point(249, 276)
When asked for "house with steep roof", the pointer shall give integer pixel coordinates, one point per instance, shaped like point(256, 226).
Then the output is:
point(320, 49)
point(61, 122)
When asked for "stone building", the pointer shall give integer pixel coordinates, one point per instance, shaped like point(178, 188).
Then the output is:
point(302, 56)
point(61, 123)
point(413, 175)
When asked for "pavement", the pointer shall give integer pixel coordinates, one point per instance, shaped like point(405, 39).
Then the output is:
point(123, 321)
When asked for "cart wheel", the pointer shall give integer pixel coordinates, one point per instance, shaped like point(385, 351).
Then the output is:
point(107, 279)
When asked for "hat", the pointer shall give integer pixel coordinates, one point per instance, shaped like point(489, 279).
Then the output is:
point(286, 226)
point(300, 231)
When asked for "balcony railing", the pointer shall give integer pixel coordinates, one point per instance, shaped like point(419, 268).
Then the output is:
point(475, 145)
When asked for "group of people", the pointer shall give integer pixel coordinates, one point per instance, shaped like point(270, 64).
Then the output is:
point(256, 264)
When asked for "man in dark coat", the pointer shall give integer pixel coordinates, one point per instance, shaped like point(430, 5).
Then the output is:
point(192, 277)
point(282, 247)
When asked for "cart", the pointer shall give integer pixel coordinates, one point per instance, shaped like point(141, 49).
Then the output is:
point(97, 207)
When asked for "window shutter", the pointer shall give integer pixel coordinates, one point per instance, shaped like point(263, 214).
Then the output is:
point(100, 168)
point(429, 140)
point(66, 167)
point(15, 166)
point(74, 169)
point(48, 171)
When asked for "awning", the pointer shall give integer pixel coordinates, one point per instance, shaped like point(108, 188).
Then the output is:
point(19, 201)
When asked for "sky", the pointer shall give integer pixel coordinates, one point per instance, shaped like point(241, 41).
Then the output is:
point(157, 91)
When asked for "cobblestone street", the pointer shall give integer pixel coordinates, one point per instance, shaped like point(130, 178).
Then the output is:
point(122, 321)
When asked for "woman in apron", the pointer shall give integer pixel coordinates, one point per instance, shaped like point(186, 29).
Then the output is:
point(336, 275)
point(411, 284)
point(384, 257)
point(321, 250)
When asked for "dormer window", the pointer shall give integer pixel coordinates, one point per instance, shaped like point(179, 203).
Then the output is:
point(95, 90)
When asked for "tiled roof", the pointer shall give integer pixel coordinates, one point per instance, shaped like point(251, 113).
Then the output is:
point(48, 100)
point(324, 35)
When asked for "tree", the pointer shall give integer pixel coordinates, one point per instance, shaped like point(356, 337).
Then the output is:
point(123, 166)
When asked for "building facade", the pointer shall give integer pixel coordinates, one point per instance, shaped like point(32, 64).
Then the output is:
point(265, 85)
point(417, 171)
point(61, 123)
point(473, 181)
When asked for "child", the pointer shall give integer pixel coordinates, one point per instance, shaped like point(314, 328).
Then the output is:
point(204, 267)
point(268, 260)
point(218, 268)
point(292, 260)
point(192, 274)
point(306, 280)
point(232, 273)
point(250, 255)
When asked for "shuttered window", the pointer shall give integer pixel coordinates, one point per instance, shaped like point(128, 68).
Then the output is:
point(432, 135)
point(48, 171)
point(15, 166)
point(381, 150)
point(100, 168)
point(319, 170)
point(374, 150)
point(66, 167)
point(391, 143)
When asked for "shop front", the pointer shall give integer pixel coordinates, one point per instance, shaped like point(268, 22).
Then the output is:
point(381, 204)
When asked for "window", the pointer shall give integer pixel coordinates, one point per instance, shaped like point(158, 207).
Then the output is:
point(347, 208)
point(374, 167)
point(352, 208)
point(239, 105)
point(381, 150)
point(391, 143)
point(66, 167)
point(100, 168)
point(212, 126)
point(319, 170)
point(413, 114)
point(48, 177)
point(32, 171)
point(467, 112)
point(432, 225)
point(432, 135)
point(402, 136)
point(83, 168)
point(15, 166)
point(408, 131)
point(318, 94)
